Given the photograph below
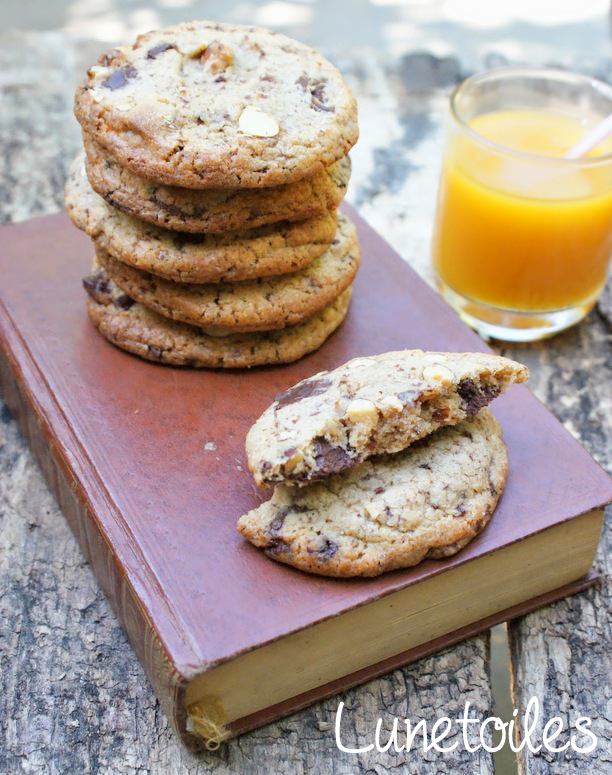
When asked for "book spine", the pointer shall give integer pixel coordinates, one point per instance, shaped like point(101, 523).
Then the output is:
point(167, 683)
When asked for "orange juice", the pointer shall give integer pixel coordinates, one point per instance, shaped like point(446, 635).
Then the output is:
point(519, 235)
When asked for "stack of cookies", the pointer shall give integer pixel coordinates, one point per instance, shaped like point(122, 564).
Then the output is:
point(381, 463)
point(215, 157)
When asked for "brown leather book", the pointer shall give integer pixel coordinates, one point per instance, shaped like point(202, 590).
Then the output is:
point(147, 463)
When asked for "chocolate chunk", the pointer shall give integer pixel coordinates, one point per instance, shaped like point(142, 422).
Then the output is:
point(124, 301)
point(330, 459)
point(475, 396)
point(276, 546)
point(154, 52)
point(120, 77)
point(459, 511)
point(327, 549)
point(290, 452)
point(318, 98)
point(278, 520)
point(155, 352)
point(98, 287)
point(304, 389)
point(379, 490)
point(426, 466)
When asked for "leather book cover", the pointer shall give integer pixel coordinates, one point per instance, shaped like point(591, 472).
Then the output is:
point(148, 464)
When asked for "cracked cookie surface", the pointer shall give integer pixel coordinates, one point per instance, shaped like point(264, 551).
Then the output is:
point(140, 331)
point(204, 105)
point(257, 305)
point(214, 210)
point(391, 512)
point(368, 406)
point(200, 258)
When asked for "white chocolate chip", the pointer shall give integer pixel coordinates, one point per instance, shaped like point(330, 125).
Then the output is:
point(256, 123)
point(438, 373)
point(361, 409)
point(390, 405)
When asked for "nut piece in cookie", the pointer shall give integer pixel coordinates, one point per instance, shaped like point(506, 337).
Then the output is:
point(371, 406)
point(428, 501)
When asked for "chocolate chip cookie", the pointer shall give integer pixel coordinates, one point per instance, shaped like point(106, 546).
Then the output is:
point(203, 105)
point(368, 406)
point(140, 331)
point(199, 258)
point(257, 305)
point(428, 501)
point(214, 210)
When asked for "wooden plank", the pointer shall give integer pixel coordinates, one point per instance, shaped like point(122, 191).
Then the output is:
point(74, 696)
point(562, 653)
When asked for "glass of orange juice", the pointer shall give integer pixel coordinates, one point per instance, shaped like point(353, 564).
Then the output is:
point(523, 236)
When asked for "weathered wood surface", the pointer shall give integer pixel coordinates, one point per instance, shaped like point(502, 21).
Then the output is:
point(73, 697)
point(562, 654)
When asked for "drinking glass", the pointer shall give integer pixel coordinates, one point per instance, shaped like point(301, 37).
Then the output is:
point(523, 237)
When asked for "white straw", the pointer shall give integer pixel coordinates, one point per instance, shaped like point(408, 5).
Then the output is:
point(592, 139)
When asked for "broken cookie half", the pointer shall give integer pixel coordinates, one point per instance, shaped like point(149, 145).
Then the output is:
point(390, 512)
point(369, 406)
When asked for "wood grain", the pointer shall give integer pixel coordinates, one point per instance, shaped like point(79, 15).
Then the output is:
point(562, 653)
